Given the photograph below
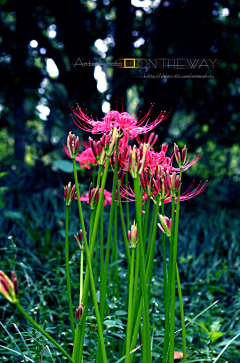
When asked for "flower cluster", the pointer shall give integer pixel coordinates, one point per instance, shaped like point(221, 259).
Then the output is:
point(158, 175)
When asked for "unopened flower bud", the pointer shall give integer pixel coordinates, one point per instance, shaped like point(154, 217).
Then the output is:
point(69, 193)
point(72, 144)
point(111, 142)
point(79, 238)
point(98, 149)
point(79, 312)
point(93, 195)
point(9, 288)
point(180, 159)
point(174, 182)
point(165, 225)
point(132, 235)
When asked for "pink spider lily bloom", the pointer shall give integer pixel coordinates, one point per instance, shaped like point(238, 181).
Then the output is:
point(86, 158)
point(151, 140)
point(107, 197)
point(121, 121)
point(128, 194)
point(187, 164)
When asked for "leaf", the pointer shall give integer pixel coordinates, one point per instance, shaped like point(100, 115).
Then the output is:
point(215, 336)
point(13, 214)
point(3, 173)
point(120, 312)
point(63, 165)
point(115, 263)
point(114, 323)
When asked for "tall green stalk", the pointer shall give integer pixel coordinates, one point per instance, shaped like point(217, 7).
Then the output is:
point(150, 232)
point(115, 253)
point(123, 226)
point(166, 293)
point(37, 327)
point(143, 281)
point(103, 284)
point(127, 205)
point(139, 303)
point(173, 278)
point(130, 308)
point(68, 273)
point(182, 316)
point(145, 223)
point(95, 229)
point(81, 277)
point(89, 265)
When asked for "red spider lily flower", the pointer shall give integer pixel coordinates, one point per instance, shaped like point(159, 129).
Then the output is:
point(151, 141)
point(122, 121)
point(128, 194)
point(190, 192)
point(86, 158)
point(69, 193)
point(187, 164)
point(107, 197)
point(9, 288)
point(154, 158)
point(165, 225)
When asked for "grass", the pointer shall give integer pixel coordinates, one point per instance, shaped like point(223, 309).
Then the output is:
point(208, 260)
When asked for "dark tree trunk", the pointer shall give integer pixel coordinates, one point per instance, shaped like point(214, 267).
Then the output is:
point(121, 80)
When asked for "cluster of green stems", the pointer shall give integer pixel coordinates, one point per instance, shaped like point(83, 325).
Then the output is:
point(140, 270)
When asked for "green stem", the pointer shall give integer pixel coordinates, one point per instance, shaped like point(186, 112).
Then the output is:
point(145, 225)
point(95, 229)
point(136, 291)
point(166, 300)
point(127, 206)
point(96, 261)
point(166, 333)
point(139, 303)
point(81, 278)
point(110, 225)
point(173, 278)
point(182, 316)
point(143, 282)
point(152, 248)
point(89, 255)
point(130, 306)
point(93, 176)
point(37, 327)
point(68, 273)
point(123, 226)
point(115, 253)
point(150, 231)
